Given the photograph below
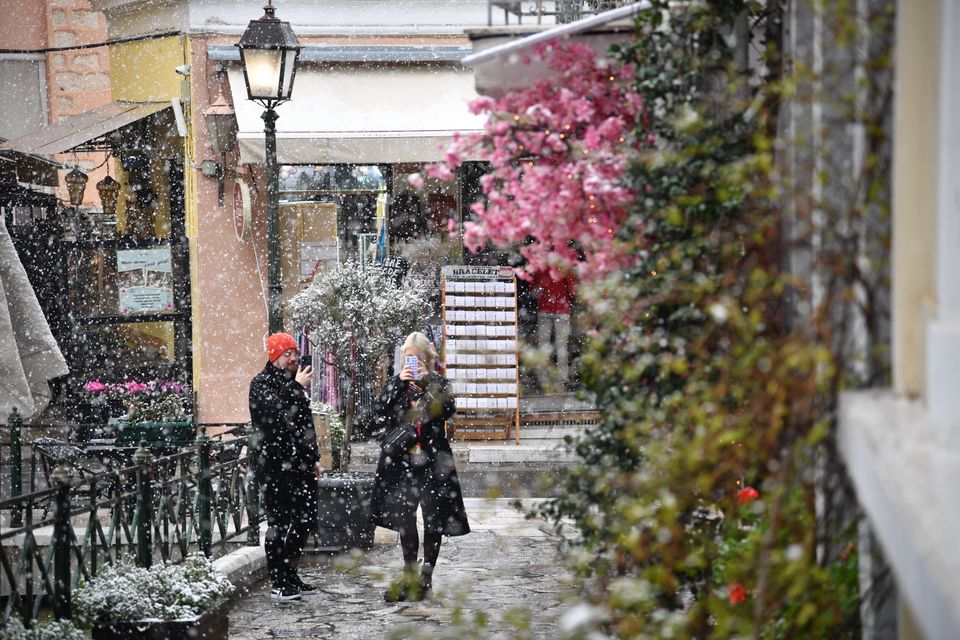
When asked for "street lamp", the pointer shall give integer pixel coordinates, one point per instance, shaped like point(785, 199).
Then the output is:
point(222, 127)
point(76, 183)
point(269, 51)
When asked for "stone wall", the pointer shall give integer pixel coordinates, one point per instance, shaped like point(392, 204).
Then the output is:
point(79, 79)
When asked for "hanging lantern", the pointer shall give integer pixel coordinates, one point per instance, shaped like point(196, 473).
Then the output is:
point(76, 182)
point(109, 190)
point(221, 124)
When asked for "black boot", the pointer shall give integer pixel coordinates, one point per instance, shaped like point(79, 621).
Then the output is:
point(406, 588)
point(426, 581)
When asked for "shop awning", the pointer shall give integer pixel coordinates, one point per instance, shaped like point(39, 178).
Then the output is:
point(16, 167)
point(74, 131)
point(361, 114)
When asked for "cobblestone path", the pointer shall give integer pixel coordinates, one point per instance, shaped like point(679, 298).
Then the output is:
point(503, 580)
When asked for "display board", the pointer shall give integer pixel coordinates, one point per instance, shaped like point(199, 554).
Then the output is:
point(481, 354)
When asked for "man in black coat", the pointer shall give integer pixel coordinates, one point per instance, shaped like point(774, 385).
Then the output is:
point(285, 461)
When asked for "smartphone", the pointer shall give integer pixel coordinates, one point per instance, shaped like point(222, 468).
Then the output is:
point(414, 363)
point(306, 360)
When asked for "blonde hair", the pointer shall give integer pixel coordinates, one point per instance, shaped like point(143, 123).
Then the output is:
point(421, 343)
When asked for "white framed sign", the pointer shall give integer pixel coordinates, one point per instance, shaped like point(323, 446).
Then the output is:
point(145, 279)
point(461, 272)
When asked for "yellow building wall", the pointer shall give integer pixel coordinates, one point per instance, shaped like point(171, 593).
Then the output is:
point(143, 71)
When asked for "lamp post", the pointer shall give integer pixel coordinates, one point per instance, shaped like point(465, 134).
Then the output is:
point(269, 51)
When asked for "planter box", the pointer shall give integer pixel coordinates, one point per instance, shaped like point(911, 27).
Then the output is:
point(343, 519)
point(155, 433)
point(212, 625)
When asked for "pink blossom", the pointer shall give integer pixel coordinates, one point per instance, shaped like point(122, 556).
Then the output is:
point(132, 386)
point(558, 152)
point(452, 158)
point(481, 104)
point(473, 237)
point(416, 180)
point(95, 386)
point(439, 171)
point(170, 385)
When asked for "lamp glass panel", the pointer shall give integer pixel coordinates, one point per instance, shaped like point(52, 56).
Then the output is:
point(288, 69)
point(216, 136)
point(262, 68)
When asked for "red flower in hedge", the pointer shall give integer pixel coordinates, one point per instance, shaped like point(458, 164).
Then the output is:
point(747, 494)
point(738, 595)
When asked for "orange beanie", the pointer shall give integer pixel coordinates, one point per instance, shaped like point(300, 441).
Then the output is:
point(278, 343)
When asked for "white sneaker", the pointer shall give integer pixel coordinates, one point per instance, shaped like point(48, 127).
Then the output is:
point(284, 595)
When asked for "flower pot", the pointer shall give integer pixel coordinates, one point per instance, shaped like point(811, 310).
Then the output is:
point(343, 520)
point(155, 433)
point(211, 625)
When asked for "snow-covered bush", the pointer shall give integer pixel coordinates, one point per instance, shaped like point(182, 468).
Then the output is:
point(47, 630)
point(356, 313)
point(163, 592)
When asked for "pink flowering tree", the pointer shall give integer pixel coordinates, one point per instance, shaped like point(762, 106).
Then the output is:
point(558, 153)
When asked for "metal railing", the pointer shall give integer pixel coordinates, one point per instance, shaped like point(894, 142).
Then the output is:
point(548, 11)
point(154, 508)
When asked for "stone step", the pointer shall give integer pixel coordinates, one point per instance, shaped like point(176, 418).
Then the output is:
point(555, 432)
point(549, 451)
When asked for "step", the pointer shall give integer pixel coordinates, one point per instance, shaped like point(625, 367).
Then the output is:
point(549, 451)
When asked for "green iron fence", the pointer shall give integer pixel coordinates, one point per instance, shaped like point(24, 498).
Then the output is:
point(59, 529)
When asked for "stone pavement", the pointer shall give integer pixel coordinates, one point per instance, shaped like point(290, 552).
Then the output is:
point(503, 580)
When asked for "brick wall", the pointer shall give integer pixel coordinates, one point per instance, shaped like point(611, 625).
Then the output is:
point(77, 80)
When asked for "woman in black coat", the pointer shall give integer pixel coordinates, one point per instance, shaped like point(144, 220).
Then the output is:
point(419, 472)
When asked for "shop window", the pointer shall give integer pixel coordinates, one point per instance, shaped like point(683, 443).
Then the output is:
point(109, 281)
point(123, 351)
point(338, 177)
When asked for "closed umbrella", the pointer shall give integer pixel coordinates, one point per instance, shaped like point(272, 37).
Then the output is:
point(29, 355)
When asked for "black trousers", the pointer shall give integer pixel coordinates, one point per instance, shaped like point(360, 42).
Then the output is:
point(291, 505)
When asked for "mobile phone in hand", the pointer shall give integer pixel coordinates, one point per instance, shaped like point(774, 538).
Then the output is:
point(306, 360)
point(414, 364)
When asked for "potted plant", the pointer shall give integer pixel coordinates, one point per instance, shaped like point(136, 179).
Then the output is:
point(156, 412)
point(357, 315)
point(97, 405)
point(343, 517)
point(167, 601)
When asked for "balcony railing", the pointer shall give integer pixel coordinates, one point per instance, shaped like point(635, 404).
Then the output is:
point(538, 12)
